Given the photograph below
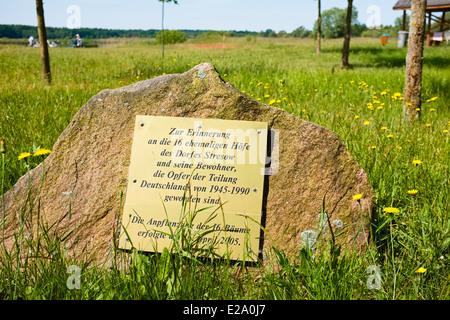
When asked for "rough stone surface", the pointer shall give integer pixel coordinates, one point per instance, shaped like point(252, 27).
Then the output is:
point(88, 167)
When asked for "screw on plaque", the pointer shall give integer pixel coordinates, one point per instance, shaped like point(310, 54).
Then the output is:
point(134, 180)
point(142, 124)
point(255, 189)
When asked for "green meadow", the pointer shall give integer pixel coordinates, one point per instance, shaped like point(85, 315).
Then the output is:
point(407, 164)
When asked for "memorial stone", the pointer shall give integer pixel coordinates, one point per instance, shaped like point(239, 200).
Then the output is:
point(82, 193)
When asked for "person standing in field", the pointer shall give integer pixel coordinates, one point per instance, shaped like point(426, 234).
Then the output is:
point(79, 42)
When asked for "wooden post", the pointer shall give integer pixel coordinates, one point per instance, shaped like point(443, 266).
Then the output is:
point(346, 48)
point(319, 30)
point(414, 60)
point(162, 30)
point(45, 60)
point(404, 21)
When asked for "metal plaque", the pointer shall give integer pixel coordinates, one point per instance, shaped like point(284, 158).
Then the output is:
point(196, 182)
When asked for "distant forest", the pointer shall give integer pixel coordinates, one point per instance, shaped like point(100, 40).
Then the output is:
point(23, 32)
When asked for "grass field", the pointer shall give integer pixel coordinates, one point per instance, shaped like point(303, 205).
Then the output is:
point(407, 164)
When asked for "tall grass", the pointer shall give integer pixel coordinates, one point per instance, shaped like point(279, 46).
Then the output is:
point(360, 105)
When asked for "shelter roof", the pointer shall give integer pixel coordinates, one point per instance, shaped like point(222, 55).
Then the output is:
point(431, 5)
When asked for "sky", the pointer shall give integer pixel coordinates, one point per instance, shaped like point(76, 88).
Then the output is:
point(251, 15)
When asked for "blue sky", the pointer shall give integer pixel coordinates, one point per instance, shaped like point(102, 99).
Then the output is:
point(252, 15)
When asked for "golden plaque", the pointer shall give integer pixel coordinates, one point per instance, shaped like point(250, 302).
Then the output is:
point(197, 184)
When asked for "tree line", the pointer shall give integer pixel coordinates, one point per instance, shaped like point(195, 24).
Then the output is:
point(16, 31)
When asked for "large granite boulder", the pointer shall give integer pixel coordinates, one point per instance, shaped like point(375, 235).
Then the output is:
point(86, 173)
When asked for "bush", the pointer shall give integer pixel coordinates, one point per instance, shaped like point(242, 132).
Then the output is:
point(212, 36)
point(171, 36)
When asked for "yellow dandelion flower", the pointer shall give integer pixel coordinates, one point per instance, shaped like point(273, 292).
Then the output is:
point(41, 152)
point(413, 191)
point(428, 124)
point(267, 96)
point(417, 162)
point(366, 123)
point(421, 270)
point(391, 210)
point(445, 131)
point(373, 147)
point(357, 197)
point(389, 136)
point(417, 109)
point(431, 110)
point(356, 117)
point(383, 128)
point(23, 155)
point(272, 101)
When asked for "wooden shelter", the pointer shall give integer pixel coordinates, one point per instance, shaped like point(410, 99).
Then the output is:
point(435, 33)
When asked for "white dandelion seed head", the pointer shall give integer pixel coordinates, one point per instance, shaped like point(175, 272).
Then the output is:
point(308, 238)
point(338, 223)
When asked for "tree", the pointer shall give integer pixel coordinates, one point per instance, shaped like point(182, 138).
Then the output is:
point(414, 59)
point(282, 34)
point(45, 60)
point(333, 23)
point(319, 29)
point(162, 24)
point(348, 25)
point(300, 32)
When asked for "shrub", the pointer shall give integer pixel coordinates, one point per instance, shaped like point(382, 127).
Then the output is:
point(171, 36)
